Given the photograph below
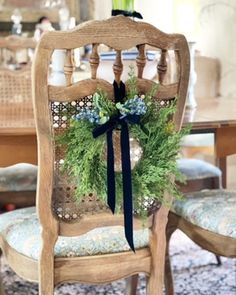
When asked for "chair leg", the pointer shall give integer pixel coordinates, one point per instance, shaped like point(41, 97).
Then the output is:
point(46, 266)
point(218, 259)
point(169, 286)
point(2, 292)
point(131, 285)
point(155, 282)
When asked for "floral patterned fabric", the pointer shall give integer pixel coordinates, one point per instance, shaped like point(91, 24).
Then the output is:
point(22, 231)
point(197, 169)
point(213, 210)
point(19, 177)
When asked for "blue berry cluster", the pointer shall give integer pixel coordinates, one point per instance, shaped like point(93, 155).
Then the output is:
point(88, 114)
point(133, 106)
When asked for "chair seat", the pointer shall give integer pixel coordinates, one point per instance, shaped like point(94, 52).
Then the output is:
point(197, 169)
point(19, 177)
point(213, 210)
point(21, 230)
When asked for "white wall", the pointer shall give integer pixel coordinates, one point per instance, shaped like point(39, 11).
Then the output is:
point(102, 9)
point(217, 37)
point(215, 28)
point(156, 12)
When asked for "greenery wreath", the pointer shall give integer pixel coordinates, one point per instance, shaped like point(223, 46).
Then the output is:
point(155, 133)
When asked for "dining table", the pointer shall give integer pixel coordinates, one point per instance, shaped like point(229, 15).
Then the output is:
point(212, 115)
point(215, 115)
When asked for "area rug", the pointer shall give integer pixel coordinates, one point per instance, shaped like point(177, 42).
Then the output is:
point(195, 273)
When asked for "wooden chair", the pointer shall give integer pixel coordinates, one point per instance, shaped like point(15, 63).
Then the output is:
point(17, 143)
point(200, 175)
point(208, 218)
point(58, 215)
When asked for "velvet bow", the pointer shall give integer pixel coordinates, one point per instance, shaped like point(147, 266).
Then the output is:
point(136, 14)
point(113, 123)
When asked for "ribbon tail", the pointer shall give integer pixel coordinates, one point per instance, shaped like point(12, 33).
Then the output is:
point(111, 186)
point(119, 91)
point(137, 15)
point(127, 185)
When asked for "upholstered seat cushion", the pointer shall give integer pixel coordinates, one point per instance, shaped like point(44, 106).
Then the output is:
point(197, 169)
point(21, 230)
point(213, 210)
point(19, 177)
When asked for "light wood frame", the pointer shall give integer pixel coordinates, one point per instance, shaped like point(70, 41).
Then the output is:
point(119, 33)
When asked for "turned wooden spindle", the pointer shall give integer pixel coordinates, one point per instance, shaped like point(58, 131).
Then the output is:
point(118, 66)
point(94, 61)
point(162, 66)
point(69, 66)
point(141, 60)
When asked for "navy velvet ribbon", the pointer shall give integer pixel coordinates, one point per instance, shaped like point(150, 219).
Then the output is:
point(121, 122)
point(136, 14)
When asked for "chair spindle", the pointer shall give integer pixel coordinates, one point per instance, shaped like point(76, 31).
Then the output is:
point(162, 66)
point(141, 60)
point(94, 61)
point(69, 66)
point(118, 66)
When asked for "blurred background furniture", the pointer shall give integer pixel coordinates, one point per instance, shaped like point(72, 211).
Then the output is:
point(16, 51)
point(207, 87)
point(199, 173)
point(219, 118)
point(18, 185)
point(208, 218)
point(17, 135)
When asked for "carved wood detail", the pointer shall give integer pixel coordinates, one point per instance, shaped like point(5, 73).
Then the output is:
point(141, 60)
point(118, 66)
point(162, 66)
point(69, 66)
point(94, 61)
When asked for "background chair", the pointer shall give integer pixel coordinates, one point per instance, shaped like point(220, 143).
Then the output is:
point(199, 175)
point(201, 146)
point(208, 218)
point(207, 86)
point(17, 143)
point(16, 51)
point(59, 216)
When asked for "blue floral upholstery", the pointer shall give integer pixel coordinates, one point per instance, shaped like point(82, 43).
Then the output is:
point(19, 177)
point(213, 210)
point(197, 169)
point(21, 230)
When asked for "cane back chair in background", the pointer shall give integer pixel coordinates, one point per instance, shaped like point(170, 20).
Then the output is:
point(85, 242)
point(17, 182)
point(16, 51)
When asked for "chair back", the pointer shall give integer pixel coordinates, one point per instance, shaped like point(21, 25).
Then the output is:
point(16, 50)
point(15, 82)
point(16, 98)
point(208, 71)
point(56, 203)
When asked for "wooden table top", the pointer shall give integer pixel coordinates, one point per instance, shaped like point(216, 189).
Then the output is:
point(212, 113)
point(209, 113)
